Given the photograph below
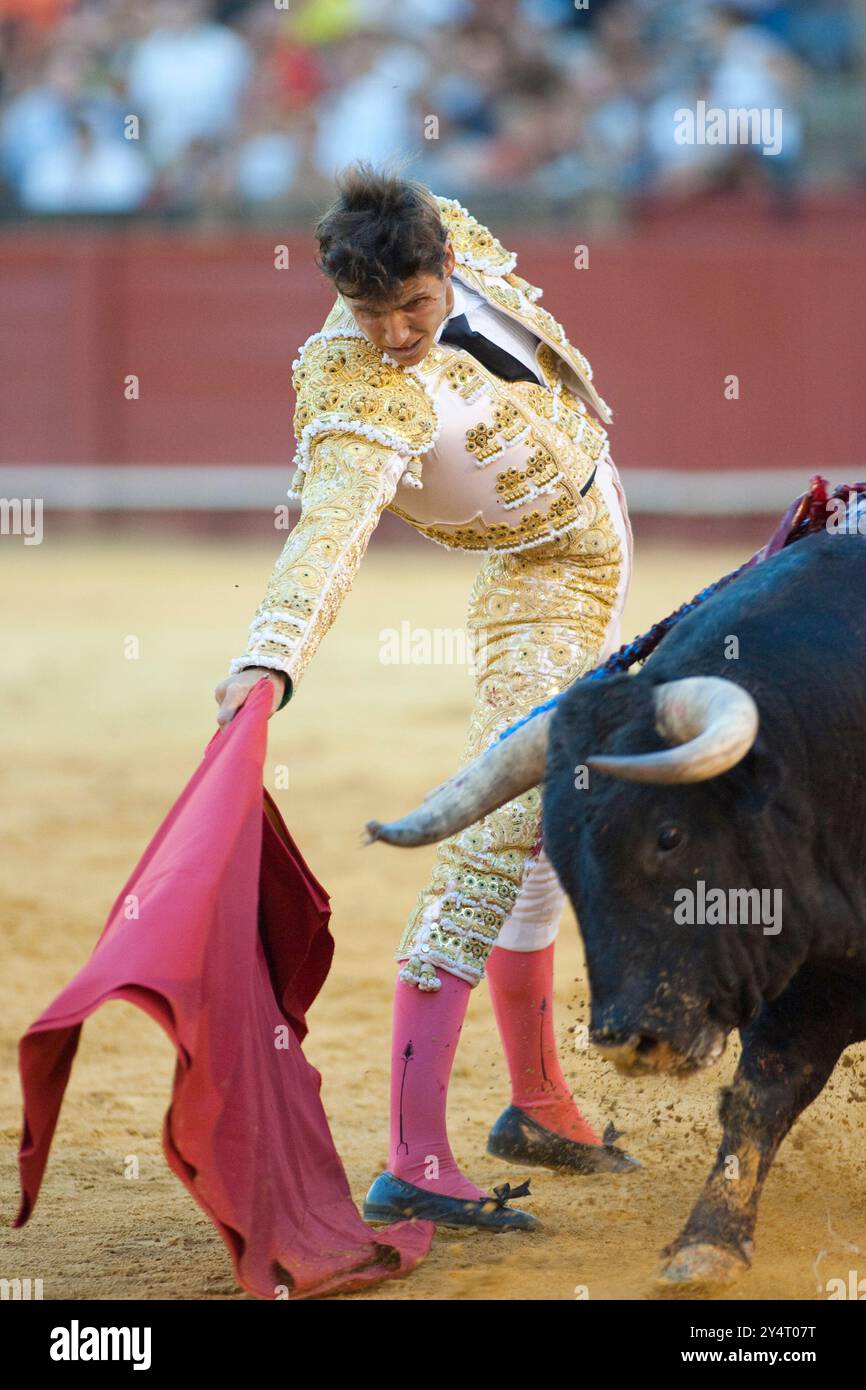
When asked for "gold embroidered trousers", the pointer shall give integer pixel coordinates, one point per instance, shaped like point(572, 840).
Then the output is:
point(537, 620)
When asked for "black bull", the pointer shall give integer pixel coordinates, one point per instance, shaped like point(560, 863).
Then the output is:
point(785, 814)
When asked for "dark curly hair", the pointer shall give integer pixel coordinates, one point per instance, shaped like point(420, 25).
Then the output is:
point(381, 231)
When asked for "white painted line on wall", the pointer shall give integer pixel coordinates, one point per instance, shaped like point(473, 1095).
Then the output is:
point(171, 487)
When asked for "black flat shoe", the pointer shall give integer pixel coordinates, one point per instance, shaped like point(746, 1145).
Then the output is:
point(391, 1199)
point(518, 1139)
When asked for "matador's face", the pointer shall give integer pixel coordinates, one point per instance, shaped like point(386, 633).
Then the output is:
point(405, 325)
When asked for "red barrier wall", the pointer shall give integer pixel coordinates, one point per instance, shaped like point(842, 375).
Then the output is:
point(211, 327)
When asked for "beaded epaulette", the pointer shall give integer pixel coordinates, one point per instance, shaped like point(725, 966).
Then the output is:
point(345, 384)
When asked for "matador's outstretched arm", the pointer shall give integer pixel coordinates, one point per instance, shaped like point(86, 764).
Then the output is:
point(349, 482)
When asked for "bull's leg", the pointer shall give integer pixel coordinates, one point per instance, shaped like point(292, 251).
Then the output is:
point(788, 1055)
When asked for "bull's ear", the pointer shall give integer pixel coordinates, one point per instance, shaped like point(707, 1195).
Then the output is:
point(754, 782)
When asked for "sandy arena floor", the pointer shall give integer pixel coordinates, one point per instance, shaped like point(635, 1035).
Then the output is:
point(97, 748)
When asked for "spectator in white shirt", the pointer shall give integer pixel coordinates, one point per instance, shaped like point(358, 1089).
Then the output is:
point(85, 173)
point(187, 79)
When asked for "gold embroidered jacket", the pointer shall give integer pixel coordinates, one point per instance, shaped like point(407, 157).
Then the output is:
point(364, 425)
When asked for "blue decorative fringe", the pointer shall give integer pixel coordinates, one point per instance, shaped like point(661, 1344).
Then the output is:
point(807, 514)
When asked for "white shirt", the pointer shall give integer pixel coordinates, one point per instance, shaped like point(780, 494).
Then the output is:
point(189, 83)
point(498, 327)
point(110, 176)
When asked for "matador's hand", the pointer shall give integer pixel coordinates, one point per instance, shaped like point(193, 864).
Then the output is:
point(231, 693)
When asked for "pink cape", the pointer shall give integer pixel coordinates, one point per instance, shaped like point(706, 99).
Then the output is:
point(221, 935)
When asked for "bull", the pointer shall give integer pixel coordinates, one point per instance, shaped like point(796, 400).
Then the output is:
point(725, 775)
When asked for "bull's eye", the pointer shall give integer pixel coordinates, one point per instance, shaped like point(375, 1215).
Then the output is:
point(671, 837)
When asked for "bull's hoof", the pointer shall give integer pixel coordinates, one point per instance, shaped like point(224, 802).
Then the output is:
point(701, 1270)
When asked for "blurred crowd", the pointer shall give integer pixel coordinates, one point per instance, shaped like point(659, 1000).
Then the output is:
point(239, 107)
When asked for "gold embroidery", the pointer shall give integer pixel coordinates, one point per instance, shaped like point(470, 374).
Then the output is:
point(509, 422)
point(355, 412)
point(482, 440)
point(506, 296)
point(545, 325)
point(349, 482)
point(515, 485)
point(465, 378)
point(548, 324)
point(549, 364)
point(532, 292)
point(345, 381)
point(565, 445)
point(563, 407)
point(474, 244)
point(537, 622)
point(536, 528)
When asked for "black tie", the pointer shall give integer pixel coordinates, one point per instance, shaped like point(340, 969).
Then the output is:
point(457, 333)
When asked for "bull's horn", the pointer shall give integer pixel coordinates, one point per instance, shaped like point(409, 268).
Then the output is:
point(713, 723)
point(505, 770)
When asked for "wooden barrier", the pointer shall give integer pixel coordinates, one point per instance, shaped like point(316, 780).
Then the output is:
point(210, 327)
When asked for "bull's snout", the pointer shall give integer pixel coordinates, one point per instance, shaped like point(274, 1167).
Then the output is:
point(635, 1054)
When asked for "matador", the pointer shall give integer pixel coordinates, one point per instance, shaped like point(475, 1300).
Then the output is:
point(439, 389)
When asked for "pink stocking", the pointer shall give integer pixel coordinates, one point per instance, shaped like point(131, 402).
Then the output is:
point(427, 1028)
point(521, 988)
